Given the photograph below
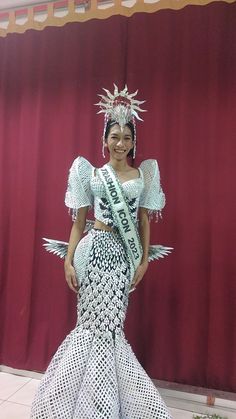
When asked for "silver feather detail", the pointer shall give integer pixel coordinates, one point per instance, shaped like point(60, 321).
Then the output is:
point(157, 251)
point(56, 247)
point(59, 248)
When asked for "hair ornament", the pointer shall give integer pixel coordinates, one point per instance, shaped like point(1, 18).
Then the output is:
point(120, 106)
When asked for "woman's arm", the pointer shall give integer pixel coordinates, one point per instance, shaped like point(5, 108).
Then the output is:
point(75, 237)
point(144, 232)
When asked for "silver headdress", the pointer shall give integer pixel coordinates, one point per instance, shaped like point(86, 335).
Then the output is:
point(120, 107)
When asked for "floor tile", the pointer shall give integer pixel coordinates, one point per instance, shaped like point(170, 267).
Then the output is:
point(17, 392)
point(10, 383)
point(26, 393)
point(231, 404)
point(180, 414)
point(10, 410)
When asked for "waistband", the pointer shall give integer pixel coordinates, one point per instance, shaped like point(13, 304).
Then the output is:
point(114, 231)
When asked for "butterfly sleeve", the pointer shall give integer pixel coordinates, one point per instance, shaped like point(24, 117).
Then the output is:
point(78, 193)
point(152, 196)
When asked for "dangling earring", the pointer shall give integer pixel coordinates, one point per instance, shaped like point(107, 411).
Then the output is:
point(104, 133)
point(134, 148)
point(103, 148)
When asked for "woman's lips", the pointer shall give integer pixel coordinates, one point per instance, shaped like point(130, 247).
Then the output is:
point(120, 151)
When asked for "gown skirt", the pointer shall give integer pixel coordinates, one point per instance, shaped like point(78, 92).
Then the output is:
point(94, 374)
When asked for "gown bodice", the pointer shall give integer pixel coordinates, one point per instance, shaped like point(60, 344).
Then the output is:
point(132, 190)
point(85, 188)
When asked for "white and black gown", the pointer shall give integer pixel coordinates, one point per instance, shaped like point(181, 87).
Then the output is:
point(94, 373)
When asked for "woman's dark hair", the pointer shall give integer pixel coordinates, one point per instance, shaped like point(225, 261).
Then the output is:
point(130, 125)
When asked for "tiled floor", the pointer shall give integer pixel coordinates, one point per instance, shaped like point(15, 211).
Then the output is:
point(16, 394)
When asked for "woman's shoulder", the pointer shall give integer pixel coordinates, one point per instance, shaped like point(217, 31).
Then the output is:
point(81, 166)
point(148, 163)
point(81, 161)
point(149, 168)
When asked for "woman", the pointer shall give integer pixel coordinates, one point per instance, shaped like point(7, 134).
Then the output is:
point(94, 373)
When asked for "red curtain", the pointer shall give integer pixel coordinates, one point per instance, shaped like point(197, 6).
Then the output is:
point(181, 319)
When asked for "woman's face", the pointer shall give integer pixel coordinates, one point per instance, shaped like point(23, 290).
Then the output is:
point(119, 142)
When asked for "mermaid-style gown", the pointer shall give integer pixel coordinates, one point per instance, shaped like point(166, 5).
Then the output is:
point(94, 373)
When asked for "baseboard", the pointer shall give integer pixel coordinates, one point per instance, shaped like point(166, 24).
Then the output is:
point(23, 373)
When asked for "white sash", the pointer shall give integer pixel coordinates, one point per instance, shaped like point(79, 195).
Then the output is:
point(121, 214)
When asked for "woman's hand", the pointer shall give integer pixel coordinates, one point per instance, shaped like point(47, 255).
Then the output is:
point(71, 277)
point(139, 273)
